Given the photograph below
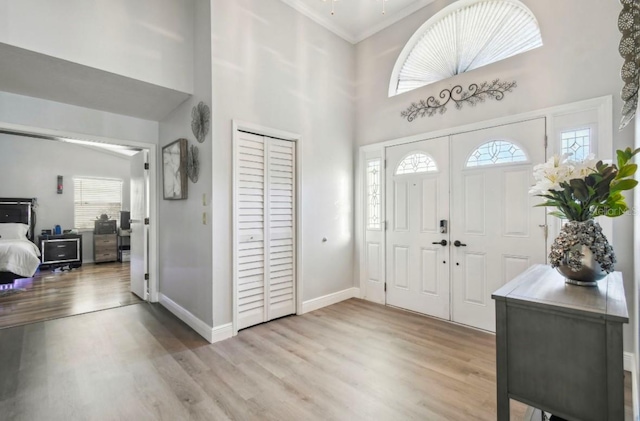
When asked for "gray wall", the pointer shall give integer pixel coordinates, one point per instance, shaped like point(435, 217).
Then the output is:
point(31, 167)
point(148, 40)
point(274, 67)
point(185, 243)
point(579, 60)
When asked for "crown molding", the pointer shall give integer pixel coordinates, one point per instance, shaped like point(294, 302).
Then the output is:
point(320, 19)
point(396, 17)
point(325, 20)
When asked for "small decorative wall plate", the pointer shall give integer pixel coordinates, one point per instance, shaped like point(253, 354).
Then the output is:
point(200, 121)
point(193, 164)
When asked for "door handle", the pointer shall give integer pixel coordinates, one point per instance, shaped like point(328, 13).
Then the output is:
point(442, 243)
point(459, 244)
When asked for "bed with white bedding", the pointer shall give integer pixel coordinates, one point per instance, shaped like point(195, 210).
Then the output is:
point(19, 256)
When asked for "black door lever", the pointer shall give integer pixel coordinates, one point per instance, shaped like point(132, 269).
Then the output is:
point(459, 244)
point(442, 243)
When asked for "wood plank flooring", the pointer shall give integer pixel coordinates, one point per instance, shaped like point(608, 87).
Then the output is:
point(50, 295)
point(351, 361)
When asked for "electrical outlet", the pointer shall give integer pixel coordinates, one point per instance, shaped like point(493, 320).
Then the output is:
point(204, 218)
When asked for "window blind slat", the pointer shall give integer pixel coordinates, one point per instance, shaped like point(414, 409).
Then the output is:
point(94, 197)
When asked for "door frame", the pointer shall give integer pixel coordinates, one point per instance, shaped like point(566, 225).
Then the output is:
point(603, 105)
point(260, 130)
point(59, 135)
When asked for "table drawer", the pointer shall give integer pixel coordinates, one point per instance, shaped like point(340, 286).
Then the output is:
point(108, 240)
point(62, 250)
point(109, 256)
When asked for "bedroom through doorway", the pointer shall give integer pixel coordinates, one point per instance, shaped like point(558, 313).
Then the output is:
point(74, 226)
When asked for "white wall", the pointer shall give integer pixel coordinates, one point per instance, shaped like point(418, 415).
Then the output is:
point(28, 111)
point(277, 68)
point(32, 166)
point(579, 60)
point(148, 40)
point(185, 243)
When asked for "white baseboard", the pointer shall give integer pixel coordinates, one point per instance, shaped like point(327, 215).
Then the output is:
point(330, 299)
point(222, 332)
point(629, 362)
point(211, 334)
point(630, 365)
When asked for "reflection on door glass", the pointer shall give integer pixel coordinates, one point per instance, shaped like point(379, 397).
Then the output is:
point(373, 194)
point(496, 152)
point(577, 143)
point(416, 163)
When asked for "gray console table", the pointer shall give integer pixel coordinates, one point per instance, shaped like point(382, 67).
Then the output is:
point(559, 346)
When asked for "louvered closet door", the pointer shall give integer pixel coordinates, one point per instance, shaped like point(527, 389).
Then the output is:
point(281, 228)
point(265, 215)
point(250, 209)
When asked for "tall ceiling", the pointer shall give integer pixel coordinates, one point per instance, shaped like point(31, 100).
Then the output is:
point(355, 20)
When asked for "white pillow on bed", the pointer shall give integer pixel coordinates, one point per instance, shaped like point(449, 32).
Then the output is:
point(13, 231)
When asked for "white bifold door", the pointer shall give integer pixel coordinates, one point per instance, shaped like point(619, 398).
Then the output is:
point(460, 220)
point(265, 253)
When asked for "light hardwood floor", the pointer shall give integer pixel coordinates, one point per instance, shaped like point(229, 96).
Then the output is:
point(53, 294)
point(350, 361)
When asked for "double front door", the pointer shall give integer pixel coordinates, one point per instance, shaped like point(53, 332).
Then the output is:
point(460, 220)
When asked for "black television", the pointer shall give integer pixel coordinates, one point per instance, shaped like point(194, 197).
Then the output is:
point(125, 216)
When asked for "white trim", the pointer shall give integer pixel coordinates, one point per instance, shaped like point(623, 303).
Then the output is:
point(40, 132)
point(630, 365)
point(211, 334)
point(330, 299)
point(186, 316)
point(390, 20)
point(325, 20)
point(222, 332)
point(280, 134)
point(321, 20)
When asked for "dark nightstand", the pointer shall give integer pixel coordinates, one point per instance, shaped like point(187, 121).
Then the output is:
point(61, 250)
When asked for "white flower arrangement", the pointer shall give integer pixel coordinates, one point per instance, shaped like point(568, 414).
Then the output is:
point(581, 190)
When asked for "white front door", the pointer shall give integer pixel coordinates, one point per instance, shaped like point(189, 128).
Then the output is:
point(498, 230)
point(417, 180)
point(139, 239)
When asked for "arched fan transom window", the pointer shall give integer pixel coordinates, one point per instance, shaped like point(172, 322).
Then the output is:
point(416, 163)
point(464, 36)
point(496, 152)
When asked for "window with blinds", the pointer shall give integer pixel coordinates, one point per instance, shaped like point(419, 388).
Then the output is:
point(94, 197)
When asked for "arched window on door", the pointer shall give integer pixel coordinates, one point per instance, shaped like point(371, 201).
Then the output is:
point(496, 152)
point(416, 162)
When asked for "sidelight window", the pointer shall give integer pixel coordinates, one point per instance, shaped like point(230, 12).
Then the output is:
point(577, 143)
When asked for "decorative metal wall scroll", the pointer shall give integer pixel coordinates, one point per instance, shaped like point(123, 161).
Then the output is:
point(200, 121)
point(629, 25)
point(472, 96)
point(193, 164)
